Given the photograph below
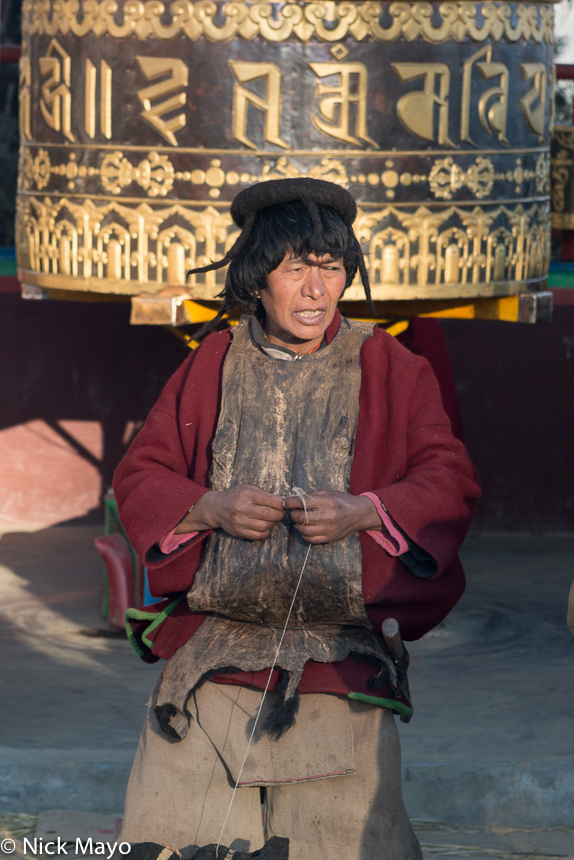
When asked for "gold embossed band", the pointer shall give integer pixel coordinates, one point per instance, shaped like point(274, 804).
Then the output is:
point(441, 178)
point(323, 19)
point(411, 252)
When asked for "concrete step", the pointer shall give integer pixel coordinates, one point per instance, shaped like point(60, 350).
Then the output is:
point(499, 794)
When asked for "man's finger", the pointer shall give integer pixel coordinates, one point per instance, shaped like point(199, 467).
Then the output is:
point(255, 524)
point(294, 503)
point(310, 530)
point(303, 517)
point(263, 512)
point(259, 497)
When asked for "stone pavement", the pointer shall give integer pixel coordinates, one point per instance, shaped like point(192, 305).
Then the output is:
point(72, 706)
point(491, 744)
point(437, 839)
point(492, 738)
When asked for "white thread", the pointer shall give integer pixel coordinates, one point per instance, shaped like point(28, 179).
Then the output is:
point(298, 492)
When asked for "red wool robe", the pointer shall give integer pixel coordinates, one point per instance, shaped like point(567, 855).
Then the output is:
point(405, 453)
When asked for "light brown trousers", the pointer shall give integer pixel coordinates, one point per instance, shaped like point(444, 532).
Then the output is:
point(332, 782)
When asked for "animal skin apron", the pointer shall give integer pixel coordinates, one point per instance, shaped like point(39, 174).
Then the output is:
point(283, 424)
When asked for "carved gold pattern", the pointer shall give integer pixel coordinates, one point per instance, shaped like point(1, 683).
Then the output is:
point(91, 80)
point(65, 230)
point(492, 117)
point(563, 220)
point(535, 116)
point(143, 248)
point(105, 99)
point(156, 174)
point(542, 174)
point(270, 105)
point(411, 21)
point(56, 99)
point(416, 109)
point(562, 163)
point(339, 51)
point(25, 82)
point(330, 169)
point(446, 178)
point(560, 174)
point(334, 102)
point(173, 87)
point(37, 170)
point(472, 251)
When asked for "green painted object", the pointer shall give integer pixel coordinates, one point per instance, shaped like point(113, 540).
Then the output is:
point(114, 526)
point(561, 280)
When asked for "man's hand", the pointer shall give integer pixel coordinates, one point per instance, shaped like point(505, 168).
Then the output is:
point(245, 511)
point(331, 515)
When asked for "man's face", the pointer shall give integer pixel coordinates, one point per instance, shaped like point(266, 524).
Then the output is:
point(301, 298)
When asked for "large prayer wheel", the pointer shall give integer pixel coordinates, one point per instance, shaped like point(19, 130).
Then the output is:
point(140, 121)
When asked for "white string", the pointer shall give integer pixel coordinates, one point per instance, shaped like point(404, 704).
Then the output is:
point(297, 491)
point(261, 704)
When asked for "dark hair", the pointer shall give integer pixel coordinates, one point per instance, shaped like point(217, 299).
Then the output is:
point(276, 231)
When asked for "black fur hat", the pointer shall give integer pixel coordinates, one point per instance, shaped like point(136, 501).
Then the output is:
point(249, 201)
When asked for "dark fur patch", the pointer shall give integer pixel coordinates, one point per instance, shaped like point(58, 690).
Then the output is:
point(164, 713)
point(370, 658)
point(220, 670)
point(150, 851)
point(383, 676)
point(275, 848)
point(283, 715)
point(382, 679)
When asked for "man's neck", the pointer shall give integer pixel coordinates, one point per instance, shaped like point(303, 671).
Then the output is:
point(282, 349)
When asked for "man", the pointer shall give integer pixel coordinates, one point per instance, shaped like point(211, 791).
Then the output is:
point(296, 484)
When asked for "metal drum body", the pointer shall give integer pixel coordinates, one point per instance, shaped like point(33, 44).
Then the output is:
point(141, 121)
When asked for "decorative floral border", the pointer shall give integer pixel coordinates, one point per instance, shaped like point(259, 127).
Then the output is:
point(411, 21)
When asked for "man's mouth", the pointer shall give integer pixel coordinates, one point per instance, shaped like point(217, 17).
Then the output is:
point(310, 316)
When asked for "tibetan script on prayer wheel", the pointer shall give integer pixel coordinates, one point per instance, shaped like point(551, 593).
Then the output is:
point(140, 121)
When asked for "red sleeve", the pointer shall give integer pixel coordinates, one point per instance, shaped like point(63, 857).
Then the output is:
point(434, 500)
point(162, 474)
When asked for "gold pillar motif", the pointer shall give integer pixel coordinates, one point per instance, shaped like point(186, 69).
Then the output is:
point(140, 122)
